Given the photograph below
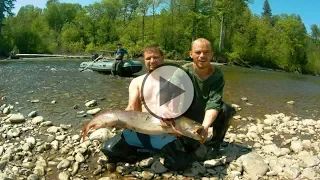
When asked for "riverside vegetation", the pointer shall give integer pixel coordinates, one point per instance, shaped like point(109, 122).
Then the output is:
point(238, 36)
point(276, 147)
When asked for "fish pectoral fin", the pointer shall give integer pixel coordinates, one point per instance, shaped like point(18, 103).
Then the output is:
point(121, 125)
point(176, 131)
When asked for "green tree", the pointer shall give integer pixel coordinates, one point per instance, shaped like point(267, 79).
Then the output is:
point(128, 9)
point(226, 11)
point(95, 14)
point(51, 1)
point(30, 32)
point(266, 10)
point(315, 32)
point(5, 8)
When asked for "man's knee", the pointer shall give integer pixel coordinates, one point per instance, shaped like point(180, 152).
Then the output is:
point(228, 113)
point(117, 147)
point(225, 115)
point(175, 155)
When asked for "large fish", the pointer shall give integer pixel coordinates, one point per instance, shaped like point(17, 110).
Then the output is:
point(143, 123)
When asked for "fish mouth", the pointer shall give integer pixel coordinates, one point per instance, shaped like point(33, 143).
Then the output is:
point(196, 133)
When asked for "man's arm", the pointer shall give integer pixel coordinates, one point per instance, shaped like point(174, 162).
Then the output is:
point(209, 117)
point(213, 106)
point(134, 98)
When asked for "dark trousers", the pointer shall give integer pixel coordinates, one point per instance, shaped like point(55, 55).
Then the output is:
point(117, 67)
point(176, 152)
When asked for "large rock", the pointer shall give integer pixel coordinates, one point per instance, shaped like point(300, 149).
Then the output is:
point(254, 164)
point(101, 134)
point(17, 118)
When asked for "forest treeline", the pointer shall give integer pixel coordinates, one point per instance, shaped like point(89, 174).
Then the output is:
point(237, 35)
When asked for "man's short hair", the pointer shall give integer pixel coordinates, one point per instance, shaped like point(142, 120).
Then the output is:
point(119, 44)
point(153, 48)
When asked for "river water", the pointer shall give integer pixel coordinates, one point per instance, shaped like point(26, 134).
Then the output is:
point(60, 80)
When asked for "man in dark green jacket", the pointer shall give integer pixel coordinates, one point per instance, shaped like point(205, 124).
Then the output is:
point(207, 106)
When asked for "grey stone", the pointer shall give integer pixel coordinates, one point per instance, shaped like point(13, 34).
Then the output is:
point(291, 172)
point(14, 132)
point(33, 177)
point(296, 146)
point(65, 175)
point(308, 173)
point(17, 118)
point(158, 167)
point(94, 111)
point(64, 164)
point(32, 114)
point(146, 162)
point(37, 120)
point(91, 103)
point(253, 164)
point(3, 164)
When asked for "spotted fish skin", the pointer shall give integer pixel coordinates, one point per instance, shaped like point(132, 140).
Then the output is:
point(144, 123)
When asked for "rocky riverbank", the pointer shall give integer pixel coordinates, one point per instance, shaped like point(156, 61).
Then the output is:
point(276, 147)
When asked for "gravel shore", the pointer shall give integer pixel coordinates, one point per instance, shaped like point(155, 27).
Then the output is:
point(276, 147)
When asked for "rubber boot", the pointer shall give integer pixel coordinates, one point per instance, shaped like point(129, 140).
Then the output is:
point(114, 68)
point(220, 128)
point(119, 69)
point(175, 155)
point(117, 149)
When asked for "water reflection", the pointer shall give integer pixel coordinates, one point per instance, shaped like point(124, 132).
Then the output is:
point(61, 80)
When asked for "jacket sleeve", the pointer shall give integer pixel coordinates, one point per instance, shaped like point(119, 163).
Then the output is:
point(215, 95)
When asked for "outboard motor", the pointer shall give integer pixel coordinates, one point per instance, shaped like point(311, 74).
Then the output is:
point(94, 56)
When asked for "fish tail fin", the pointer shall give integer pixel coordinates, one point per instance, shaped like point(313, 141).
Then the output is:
point(87, 127)
point(85, 130)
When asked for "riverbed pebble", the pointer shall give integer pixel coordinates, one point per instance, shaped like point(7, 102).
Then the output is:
point(91, 103)
point(37, 120)
point(94, 111)
point(290, 102)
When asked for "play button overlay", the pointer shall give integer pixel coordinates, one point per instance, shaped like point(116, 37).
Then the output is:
point(167, 92)
point(166, 89)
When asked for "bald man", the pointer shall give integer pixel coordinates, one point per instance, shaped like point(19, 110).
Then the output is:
point(207, 106)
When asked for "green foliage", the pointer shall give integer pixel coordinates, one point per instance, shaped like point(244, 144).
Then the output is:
point(237, 36)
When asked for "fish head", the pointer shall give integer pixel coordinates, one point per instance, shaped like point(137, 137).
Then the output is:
point(194, 132)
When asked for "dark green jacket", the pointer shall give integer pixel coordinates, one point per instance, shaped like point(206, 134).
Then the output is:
point(207, 93)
